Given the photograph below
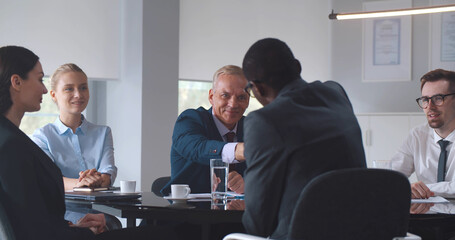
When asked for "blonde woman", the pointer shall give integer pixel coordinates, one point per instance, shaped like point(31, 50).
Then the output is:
point(83, 151)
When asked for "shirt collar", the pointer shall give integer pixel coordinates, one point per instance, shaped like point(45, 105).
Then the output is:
point(221, 128)
point(62, 128)
point(450, 137)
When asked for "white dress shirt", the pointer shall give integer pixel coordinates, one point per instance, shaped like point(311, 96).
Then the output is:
point(420, 154)
point(228, 152)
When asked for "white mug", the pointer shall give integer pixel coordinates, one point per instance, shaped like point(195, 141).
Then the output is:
point(180, 190)
point(127, 186)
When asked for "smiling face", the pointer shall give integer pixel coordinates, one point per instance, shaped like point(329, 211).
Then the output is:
point(441, 118)
point(31, 90)
point(71, 93)
point(229, 99)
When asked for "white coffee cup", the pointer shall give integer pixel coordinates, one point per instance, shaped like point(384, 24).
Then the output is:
point(127, 186)
point(180, 190)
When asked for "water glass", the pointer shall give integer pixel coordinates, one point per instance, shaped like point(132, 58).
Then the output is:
point(219, 171)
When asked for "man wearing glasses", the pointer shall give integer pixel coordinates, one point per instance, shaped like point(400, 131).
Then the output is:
point(428, 149)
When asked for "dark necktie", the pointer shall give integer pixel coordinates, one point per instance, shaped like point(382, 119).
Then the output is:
point(230, 138)
point(442, 160)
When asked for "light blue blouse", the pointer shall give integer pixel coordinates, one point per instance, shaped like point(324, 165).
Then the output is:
point(90, 147)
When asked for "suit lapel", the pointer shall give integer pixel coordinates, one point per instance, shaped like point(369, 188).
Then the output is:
point(40, 156)
point(50, 167)
point(211, 127)
point(213, 130)
point(240, 130)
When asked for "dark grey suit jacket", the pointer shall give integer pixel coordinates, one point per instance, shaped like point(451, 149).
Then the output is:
point(31, 189)
point(309, 129)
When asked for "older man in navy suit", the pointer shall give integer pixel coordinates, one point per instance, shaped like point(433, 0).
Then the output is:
point(200, 135)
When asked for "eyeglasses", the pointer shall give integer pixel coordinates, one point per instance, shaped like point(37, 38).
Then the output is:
point(437, 100)
point(249, 89)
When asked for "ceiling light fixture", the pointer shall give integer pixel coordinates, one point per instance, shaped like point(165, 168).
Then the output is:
point(392, 13)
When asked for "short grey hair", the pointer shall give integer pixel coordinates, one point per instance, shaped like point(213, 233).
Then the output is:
point(228, 70)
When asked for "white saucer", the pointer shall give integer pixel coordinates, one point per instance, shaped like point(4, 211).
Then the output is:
point(177, 199)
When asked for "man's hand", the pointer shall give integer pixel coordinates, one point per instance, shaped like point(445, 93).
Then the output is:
point(236, 205)
point(95, 222)
point(215, 181)
point(420, 190)
point(239, 148)
point(417, 208)
point(235, 182)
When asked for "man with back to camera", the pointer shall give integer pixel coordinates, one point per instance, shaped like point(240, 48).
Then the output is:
point(200, 135)
point(428, 149)
point(304, 130)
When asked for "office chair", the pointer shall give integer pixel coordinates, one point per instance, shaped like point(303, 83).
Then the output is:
point(159, 183)
point(6, 231)
point(351, 204)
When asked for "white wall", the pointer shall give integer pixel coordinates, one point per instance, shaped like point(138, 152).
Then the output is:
point(217, 33)
point(84, 32)
point(347, 63)
point(124, 97)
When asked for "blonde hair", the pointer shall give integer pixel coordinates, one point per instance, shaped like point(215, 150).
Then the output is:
point(228, 70)
point(68, 67)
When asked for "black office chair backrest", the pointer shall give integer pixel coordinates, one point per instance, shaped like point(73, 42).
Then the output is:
point(6, 231)
point(353, 204)
point(158, 184)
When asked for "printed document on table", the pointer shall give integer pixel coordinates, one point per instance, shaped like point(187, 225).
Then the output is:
point(436, 199)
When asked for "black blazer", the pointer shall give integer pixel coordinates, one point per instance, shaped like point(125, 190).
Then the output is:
point(309, 129)
point(195, 141)
point(31, 189)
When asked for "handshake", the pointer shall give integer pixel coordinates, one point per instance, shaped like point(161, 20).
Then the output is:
point(92, 178)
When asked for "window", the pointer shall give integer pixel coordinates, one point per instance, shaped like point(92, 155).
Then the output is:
point(48, 113)
point(193, 94)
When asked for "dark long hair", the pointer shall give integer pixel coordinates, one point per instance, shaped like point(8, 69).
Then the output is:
point(13, 60)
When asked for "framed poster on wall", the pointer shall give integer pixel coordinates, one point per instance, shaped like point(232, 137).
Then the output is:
point(442, 38)
point(387, 44)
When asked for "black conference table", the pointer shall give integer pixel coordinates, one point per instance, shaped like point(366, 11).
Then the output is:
point(152, 207)
point(433, 221)
point(205, 212)
point(155, 208)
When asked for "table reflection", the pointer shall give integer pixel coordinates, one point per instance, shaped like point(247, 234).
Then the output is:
point(235, 204)
point(433, 208)
point(151, 200)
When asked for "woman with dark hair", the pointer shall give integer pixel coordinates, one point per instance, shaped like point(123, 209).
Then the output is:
point(31, 186)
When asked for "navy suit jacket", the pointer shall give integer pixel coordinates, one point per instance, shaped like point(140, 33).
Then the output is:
point(195, 141)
